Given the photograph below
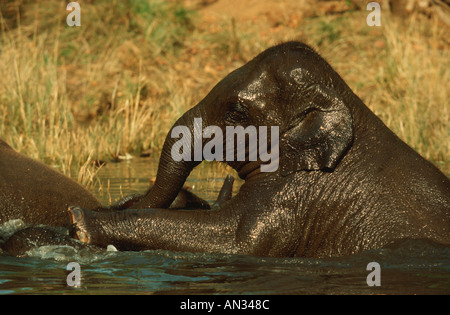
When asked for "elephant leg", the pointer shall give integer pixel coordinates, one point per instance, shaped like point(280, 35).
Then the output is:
point(187, 200)
point(123, 203)
point(225, 193)
point(184, 200)
point(146, 229)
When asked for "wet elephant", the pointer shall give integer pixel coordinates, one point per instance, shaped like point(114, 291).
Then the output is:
point(35, 193)
point(40, 197)
point(341, 183)
point(27, 238)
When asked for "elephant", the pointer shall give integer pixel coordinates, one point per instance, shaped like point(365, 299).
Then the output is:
point(40, 197)
point(35, 193)
point(25, 239)
point(341, 182)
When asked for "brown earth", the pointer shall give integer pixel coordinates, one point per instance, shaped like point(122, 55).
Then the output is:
point(276, 11)
point(270, 11)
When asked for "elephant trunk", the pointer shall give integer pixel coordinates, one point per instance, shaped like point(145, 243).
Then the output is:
point(172, 172)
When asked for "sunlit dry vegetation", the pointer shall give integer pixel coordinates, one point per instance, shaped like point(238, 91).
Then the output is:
point(73, 96)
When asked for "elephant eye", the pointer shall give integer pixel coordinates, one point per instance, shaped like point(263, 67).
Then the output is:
point(236, 112)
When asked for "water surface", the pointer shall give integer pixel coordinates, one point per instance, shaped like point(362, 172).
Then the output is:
point(117, 180)
point(413, 267)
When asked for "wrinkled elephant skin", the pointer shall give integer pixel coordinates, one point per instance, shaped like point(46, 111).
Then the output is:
point(345, 182)
point(35, 193)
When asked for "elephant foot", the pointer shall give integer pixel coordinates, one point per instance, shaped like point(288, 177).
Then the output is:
point(79, 231)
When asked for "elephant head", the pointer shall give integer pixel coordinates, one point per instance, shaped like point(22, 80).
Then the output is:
point(288, 90)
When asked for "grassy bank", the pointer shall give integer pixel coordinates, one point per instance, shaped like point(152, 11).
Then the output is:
point(70, 96)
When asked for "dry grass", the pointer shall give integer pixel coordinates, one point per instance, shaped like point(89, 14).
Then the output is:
point(70, 96)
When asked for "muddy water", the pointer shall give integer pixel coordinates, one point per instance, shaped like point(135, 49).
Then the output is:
point(410, 267)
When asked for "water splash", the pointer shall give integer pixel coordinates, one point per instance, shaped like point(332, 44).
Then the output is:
point(10, 227)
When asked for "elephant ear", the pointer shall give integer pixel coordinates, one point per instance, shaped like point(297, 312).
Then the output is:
point(318, 137)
